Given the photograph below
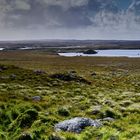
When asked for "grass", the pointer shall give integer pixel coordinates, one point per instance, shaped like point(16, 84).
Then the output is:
point(112, 91)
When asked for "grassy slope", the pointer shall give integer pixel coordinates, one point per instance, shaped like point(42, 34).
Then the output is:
point(115, 87)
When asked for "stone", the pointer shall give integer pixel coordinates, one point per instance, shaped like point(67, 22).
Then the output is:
point(39, 72)
point(96, 110)
point(69, 77)
point(13, 76)
point(77, 124)
point(2, 67)
point(36, 98)
point(109, 119)
point(93, 74)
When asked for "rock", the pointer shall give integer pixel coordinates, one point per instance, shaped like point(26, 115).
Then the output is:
point(13, 76)
point(39, 72)
point(109, 119)
point(2, 67)
point(36, 98)
point(64, 76)
point(4, 77)
point(93, 74)
point(73, 72)
point(90, 52)
point(108, 102)
point(77, 124)
point(69, 77)
point(96, 110)
point(126, 103)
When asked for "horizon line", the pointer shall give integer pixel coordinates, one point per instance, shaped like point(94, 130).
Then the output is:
point(26, 40)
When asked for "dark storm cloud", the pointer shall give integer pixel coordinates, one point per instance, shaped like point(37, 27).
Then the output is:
point(69, 18)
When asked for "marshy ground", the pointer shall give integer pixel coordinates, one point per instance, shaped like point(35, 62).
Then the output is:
point(38, 90)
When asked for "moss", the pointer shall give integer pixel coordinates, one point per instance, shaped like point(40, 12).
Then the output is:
point(3, 136)
point(24, 136)
point(111, 113)
point(55, 137)
point(63, 111)
point(117, 94)
point(24, 120)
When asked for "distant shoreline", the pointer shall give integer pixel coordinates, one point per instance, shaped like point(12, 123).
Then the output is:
point(57, 46)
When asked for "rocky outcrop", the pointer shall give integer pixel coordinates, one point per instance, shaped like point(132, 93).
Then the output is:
point(77, 124)
point(70, 77)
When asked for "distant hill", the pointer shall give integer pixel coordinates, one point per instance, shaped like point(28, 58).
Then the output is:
point(62, 44)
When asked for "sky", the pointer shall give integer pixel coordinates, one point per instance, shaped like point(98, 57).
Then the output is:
point(70, 19)
point(124, 4)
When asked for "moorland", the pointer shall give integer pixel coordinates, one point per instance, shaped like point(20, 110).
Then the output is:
point(39, 90)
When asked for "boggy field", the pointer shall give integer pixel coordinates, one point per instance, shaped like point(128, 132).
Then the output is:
point(39, 90)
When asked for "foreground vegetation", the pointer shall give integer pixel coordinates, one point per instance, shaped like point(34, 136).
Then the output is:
point(38, 90)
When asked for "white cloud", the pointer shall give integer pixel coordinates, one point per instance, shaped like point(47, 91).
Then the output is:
point(21, 5)
point(66, 4)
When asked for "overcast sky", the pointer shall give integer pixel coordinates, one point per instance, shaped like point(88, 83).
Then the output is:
point(69, 19)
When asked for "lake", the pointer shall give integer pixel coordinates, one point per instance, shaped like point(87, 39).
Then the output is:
point(107, 53)
point(1, 49)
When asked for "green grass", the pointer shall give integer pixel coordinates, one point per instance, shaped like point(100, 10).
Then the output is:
point(114, 90)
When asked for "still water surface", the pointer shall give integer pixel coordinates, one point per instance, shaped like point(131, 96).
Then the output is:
point(107, 53)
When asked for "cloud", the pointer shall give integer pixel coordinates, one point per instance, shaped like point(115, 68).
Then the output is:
point(21, 5)
point(69, 19)
point(51, 13)
point(134, 9)
point(66, 4)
